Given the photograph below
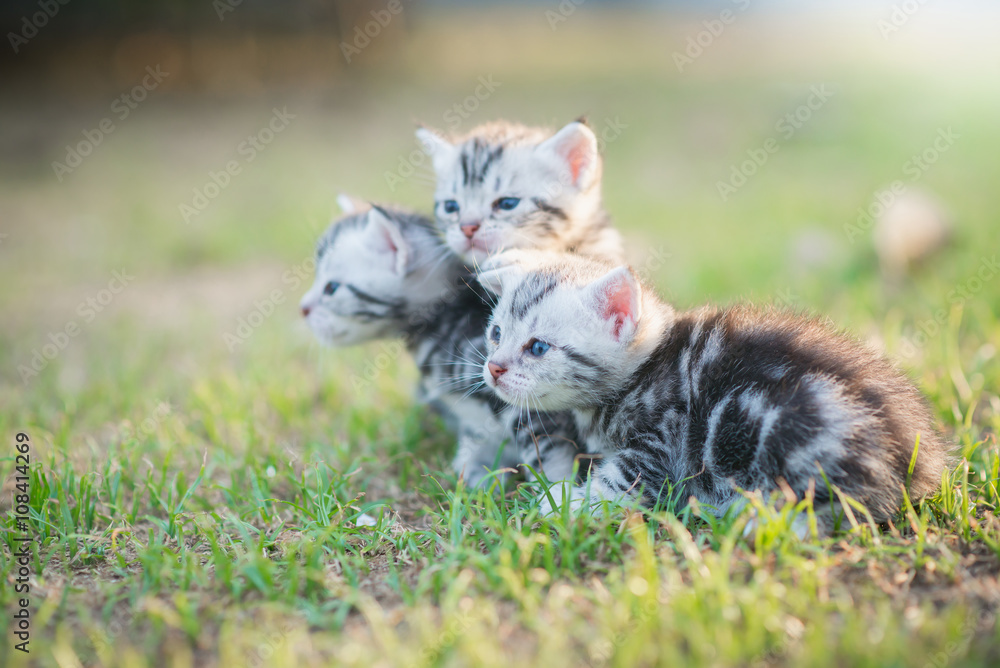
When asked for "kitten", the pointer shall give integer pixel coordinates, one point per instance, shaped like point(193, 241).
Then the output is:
point(708, 400)
point(375, 269)
point(504, 185)
point(384, 273)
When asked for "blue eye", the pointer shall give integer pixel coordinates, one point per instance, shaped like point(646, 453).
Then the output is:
point(539, 348)
point(330, 287)
point(506, 203)
point(450, 206)
point(495, 334)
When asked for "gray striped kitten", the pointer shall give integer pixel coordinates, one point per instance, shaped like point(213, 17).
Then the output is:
point(700, 403)
point(503, 185)
point(384, 273)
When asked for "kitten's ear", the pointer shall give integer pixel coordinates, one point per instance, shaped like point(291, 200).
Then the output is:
point(385, 236)
point(439, 148)
point(575, 148)
point(350, 205)
point(617, 298)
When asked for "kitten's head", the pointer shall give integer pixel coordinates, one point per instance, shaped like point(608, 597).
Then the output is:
point(564, 330)
point(505, 186)
point(375, 269)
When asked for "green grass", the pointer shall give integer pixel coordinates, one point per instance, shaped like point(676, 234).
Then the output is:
point(195, 505)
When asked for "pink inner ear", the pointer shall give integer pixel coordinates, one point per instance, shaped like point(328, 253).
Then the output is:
point(577, 159)
point(619, 305)
point(390, 244)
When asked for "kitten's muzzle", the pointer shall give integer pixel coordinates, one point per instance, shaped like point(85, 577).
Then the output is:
point(469, 230)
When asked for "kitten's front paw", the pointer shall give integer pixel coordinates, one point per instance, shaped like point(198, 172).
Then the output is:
point(503, 259)
point(561, 494)
point(800, 526)
point(482, 479)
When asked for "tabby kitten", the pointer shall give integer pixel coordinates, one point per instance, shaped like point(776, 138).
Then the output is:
point(704, 401)
point(504, 185)
point(384, 273)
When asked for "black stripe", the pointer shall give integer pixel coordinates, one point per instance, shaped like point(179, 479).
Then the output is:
point(735, 442)
point(549, 209)
point(368, 316)
point(543, 226)
point(364, 296)
point(329, 238)
point(580, 358)
point(519, 310)
point(483, 168)
point(631, 472)
point(465, 169)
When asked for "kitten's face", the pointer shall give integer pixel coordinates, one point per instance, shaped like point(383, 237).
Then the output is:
point(518, 189)
point(556, 340)
point(368, 278)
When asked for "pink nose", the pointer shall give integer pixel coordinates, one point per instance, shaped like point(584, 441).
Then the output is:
point(496, 370)
point(305, 311)
point(469, 230)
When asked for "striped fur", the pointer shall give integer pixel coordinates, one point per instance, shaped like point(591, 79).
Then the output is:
point(709, 401)
point(555, 178)
point(394, 278)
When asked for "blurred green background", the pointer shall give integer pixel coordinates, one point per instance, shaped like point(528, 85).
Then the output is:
point(685, 94)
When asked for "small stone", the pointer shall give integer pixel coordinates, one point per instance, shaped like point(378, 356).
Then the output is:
point(912, 228)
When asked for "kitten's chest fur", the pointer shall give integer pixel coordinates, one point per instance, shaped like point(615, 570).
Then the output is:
point(593, 236)
point(448, 345)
